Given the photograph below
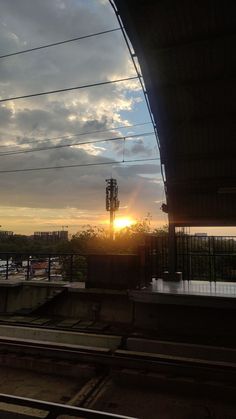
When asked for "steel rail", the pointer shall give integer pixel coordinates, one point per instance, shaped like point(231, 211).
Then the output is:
point(126, 359)
point(56, 409)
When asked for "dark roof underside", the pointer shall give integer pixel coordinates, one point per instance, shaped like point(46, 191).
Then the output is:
point(186, 49)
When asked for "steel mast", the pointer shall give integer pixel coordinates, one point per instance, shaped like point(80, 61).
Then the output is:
point(112, 202)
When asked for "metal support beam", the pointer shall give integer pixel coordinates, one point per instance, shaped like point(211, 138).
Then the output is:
point(172, 251)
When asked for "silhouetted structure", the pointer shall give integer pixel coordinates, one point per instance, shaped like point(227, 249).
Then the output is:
point(5, 234)
point(51, 236)
point(186, 56)
point(112, 202)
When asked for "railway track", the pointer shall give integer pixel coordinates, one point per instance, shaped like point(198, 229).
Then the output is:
point(121, 358)
point(178, 371)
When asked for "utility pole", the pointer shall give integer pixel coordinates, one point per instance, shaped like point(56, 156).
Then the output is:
point(112, 202)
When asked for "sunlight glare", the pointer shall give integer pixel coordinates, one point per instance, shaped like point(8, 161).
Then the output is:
point(123, 222)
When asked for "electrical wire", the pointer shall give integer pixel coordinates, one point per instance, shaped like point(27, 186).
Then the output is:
point(138, 76)
point(34, 169)
point(10, 153)
point(77, 135)
point(54, 44)
point(67, 89)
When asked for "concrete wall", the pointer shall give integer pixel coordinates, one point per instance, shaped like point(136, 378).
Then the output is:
point(3, 299)
point(186, 321)
point(100, 305)
point(93, 305)
point(24, 296)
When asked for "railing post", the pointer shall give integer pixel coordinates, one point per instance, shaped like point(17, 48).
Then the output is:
point(28, 269)
point(183, 251)
point(214, 258)
point(211, 258)
point(7, 267)
point(188, 257)
point(191, 260)
point(172, 251)
point(49, 268)
point(71, 267)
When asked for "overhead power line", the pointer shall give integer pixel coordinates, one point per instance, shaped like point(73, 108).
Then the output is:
point(54, 44)
point(77, 135)
point(34, 169)
point(13, 153)
point(85, 86)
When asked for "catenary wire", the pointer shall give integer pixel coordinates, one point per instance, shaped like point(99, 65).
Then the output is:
point(101, 140)
point(54, 44)
point(67, 89)
point(77, 135)
point(34, 169)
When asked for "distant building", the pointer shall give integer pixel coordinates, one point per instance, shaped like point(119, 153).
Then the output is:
point(51, 236)
point(5, 234)
point(200, 234)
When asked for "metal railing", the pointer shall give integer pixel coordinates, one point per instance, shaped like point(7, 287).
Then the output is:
point(211, 258)
point(55, 410)
point(53, 266)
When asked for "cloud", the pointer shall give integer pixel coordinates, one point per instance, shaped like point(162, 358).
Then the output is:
point(26, 24)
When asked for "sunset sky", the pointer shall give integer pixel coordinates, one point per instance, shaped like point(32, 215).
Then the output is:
point(46, 200)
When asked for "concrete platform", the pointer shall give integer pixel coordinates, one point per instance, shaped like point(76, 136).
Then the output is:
point(10, 282)
point(16, 282)
point(80, 287)
point(70, 338)
point(193, 293)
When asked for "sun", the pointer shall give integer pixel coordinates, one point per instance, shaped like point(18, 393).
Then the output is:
point(123, 222)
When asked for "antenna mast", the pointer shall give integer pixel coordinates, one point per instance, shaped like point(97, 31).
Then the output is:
point(112, 202)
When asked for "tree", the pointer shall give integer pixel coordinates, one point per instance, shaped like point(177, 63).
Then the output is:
point(92, 239)
point(164, 230)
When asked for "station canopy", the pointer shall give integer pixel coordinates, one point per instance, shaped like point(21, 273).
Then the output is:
point(187, 54)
